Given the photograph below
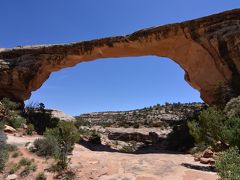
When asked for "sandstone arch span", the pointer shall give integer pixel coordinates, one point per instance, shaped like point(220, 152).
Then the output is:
point(208, 49)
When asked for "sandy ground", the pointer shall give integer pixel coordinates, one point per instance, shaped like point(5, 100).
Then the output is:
point(101, 165)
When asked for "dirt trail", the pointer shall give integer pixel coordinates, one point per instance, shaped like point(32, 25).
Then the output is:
point(95, 165)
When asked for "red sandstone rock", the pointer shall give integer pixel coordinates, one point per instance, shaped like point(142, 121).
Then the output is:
point(207, 153)
point(204, 160)
point(206, 48)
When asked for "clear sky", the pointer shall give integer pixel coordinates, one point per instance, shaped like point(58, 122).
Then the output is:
point(105, 84)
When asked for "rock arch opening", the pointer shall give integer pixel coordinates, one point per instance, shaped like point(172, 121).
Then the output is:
point(116, 84)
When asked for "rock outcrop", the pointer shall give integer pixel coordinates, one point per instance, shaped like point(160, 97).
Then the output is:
point(160, 116)
point(60, 115)
point(208, 49)
point(156, 127)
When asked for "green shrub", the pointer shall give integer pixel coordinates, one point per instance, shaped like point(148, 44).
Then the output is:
point(200, 147)
point(136, 126)
point(28, 167)
point(231, 131)
point(47, 146)
point(3, 150)
point(58, 142)
point(216, 125)
point(126, 149)
point(210, 126)
point(195, 131)
point(81, 122)
point(104, 124)
point(66, 135)
point(65, 132)
point(10, 104)
point(41, 176)
point(14, 169)
point(25, 162)
point(15, 120)
point(25, 172)
point(40, 118)
point(12, 147)
point(227, 164)
point(33, 167)
point(94, 137)
point(232, 109)
point(30, 129)
point(2, 125)
point(10, 113)
point(15, 154)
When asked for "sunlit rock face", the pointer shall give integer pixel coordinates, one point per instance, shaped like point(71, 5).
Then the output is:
point(208, 49)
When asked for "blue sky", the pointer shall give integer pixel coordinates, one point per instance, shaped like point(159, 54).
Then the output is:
point(105, 84)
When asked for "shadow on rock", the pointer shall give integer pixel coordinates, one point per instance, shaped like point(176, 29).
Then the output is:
point(198, 167)
point(96, 146)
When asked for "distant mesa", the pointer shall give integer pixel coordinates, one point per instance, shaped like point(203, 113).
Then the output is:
point(208, 49)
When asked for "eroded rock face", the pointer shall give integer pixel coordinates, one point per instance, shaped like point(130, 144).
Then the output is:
point(208, 49)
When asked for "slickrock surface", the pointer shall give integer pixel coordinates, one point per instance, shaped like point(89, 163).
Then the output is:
point(94, 165)
point(208, 49)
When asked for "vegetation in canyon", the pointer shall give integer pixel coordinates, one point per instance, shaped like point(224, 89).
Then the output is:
point(207, 125)
point(220, 125)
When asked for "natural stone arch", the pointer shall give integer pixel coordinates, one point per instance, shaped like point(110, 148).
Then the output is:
point(208, 49)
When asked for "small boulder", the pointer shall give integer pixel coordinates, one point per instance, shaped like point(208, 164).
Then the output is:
point(196, 158)
point(11, 177)
point(30, 146)
point(25, 126)
point(207, 153)
point(9, 129)
point(204, 160)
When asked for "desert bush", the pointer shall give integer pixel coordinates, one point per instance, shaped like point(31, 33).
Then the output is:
point(227, 164)
point(12, 147)
point(66, 135)
point(231, 131)
point(136, 126)
point(47, 146)
point(30, 129)
point(210, 126)
point(200, 147)
point(15, 120)
point(104, 124)
point(41, 119)
point(2, 124)
point(15, 154)
point(94, 137)
point(10, 113)
point(81, 122)
point(218, 125)
point(3, 150)
point(14, 168)
point(25, 162)
point(65, 132)
point(25, 172)
point(232, 108)
point(126, 149)
point(41, 176)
